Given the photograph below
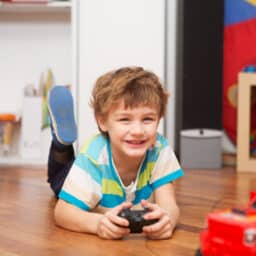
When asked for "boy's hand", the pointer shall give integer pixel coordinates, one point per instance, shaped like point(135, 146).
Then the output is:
point(112, 226)
point(161, 229)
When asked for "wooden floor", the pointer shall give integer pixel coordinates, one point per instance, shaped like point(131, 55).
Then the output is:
point(27, 227)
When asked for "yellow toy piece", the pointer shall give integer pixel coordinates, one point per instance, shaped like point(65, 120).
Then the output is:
point(253, 2)
point(46, 82)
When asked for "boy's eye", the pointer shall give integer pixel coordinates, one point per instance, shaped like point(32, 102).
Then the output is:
point(123, 120)
point(148, 119)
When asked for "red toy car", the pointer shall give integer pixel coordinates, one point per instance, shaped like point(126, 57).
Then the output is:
point(230, 232)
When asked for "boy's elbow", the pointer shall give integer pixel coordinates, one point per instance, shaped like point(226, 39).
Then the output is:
point(67, 216)
point(61, 215)
point(57, 214)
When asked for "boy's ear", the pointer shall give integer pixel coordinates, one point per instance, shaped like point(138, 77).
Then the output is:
point(101, 123)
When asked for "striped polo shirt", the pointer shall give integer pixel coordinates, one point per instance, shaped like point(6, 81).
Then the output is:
point(94, 184)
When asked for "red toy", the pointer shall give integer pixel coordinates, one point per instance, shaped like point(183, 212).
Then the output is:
point(230, 232)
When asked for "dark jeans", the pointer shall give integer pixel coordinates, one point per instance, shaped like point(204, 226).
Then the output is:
point(59, 164)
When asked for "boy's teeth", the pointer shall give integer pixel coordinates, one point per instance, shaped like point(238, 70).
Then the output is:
point(136, 142)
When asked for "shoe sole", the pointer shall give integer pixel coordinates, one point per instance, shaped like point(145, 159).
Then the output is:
point(61, 110)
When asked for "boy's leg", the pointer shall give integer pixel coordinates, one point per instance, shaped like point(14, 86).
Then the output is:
point(64, 133)
point(59, 164)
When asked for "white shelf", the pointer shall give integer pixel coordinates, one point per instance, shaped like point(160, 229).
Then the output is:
point(38, 35)
point(53, 6)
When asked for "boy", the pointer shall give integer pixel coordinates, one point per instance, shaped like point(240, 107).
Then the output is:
point(127, 165)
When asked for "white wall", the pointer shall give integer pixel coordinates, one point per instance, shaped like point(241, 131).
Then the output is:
point(112, 34)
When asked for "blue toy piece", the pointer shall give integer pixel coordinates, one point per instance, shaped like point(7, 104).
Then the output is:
point(250, 69)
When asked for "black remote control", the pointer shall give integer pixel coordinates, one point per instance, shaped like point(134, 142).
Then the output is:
point(136, 220)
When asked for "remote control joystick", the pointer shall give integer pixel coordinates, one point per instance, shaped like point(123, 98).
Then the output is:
point(136, 220)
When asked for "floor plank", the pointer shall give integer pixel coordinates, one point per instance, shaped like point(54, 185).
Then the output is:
point(27, 227)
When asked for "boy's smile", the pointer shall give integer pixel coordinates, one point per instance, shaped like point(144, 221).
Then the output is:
point(132, 131)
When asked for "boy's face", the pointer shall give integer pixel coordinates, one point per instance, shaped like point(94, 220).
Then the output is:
point(131, 130)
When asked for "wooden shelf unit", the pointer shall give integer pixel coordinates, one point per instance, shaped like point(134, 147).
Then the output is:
point(245, 162)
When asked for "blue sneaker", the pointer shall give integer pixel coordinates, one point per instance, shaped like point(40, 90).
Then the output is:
point(61, 110)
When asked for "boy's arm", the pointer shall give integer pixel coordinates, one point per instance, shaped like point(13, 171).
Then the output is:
point(165, 209)
point(75, 219)
point(106, 226)
point(165, 198)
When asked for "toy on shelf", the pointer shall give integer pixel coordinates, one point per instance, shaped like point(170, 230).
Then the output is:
point(230, 232)
point(46, 82)
point(6, 126)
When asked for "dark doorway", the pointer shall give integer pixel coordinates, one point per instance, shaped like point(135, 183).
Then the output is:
point(199, 69)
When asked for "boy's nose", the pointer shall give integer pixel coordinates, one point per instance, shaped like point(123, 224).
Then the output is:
point(137, 128)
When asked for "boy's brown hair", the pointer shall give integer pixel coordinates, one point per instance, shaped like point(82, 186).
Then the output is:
point(134, 85)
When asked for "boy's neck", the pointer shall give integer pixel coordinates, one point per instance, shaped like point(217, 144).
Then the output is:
point(128, 170)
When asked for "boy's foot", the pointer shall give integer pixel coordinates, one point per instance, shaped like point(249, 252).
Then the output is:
point(61, 109)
